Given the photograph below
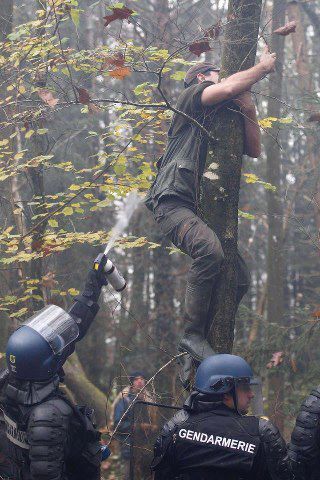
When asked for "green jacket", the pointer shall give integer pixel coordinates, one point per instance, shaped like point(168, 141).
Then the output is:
point(181, 167)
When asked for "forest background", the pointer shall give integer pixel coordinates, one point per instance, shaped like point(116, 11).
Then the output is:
point(86, 95)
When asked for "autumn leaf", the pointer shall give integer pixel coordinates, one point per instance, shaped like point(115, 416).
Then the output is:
point(118, 14)
point(47, 97)
point(315, 117)
point(120, 73)
point(316, 314)
point(117, 60)
point(214, 31)
point(276, 360)
point(48, 280)
point(286, 29)
point(199, 47)
point(84, 98)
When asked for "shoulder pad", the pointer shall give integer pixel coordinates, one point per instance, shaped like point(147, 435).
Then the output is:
point(275, 450)
point(163, 441)
point(176, 420)
point(267, 429)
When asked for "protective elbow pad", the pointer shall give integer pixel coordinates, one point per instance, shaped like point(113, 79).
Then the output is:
point(47, 437)
point(275, 449)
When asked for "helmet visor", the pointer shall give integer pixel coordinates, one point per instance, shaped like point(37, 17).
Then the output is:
point(252, 404)
point(56, 326)
point(256, 407)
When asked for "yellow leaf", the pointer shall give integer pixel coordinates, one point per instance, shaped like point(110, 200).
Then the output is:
point(73, 291)
point(74, 187)
point(29, 133)
point(67, 211)
point(4, 142)
point(53, 223)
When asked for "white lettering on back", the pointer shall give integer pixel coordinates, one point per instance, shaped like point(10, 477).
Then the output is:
point(202, 437)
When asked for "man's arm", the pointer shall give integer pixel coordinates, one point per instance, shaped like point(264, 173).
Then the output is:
point(275, 451)
point(252, 135)
point(47, 438)
point(238, 82)
point(85, 306)
point(304, 448)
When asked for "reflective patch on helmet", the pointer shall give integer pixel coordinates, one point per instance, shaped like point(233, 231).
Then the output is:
point(12, 358)
point(14, 435)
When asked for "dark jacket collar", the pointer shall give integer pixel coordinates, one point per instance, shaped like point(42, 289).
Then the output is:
point(198, 403)
point(24, 392)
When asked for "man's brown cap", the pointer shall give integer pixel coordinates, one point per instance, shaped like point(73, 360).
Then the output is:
point(193, 71)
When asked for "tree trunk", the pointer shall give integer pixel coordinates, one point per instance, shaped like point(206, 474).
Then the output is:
point(83, 390)
point(221, 179)
point(275, 261)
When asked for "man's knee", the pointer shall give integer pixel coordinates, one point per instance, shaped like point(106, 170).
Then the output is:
point(213, 253)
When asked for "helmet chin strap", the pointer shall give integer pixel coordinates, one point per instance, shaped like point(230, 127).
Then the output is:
point(235, 400)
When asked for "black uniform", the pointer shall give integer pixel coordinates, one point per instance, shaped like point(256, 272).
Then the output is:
point(214, 442)
point(304, 448)
point(49, 438)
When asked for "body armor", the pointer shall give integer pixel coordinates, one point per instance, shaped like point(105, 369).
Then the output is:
point(304, 448)
point(220, 444)
point(54, 440)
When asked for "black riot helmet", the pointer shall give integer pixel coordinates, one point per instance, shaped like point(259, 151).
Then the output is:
point(37, 349)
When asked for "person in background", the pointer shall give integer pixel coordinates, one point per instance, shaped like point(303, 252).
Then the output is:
point(129, 394)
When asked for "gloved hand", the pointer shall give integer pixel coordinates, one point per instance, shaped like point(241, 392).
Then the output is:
point(96, 279)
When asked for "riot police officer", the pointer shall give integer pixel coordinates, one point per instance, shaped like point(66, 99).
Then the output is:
point(48, 436)
point(212, 437)
point(304, 448)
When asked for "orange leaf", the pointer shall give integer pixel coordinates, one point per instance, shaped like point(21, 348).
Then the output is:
point(120, 73)
point(276, 359)
point(199, 47)
point(118, 14)
point(48, 280)
point(286, 29)
point(84, 96)
point(47, 97)
point(117, 60)
point(214, 31)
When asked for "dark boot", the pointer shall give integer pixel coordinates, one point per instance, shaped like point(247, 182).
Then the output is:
point(197, 304)
point(188, 368)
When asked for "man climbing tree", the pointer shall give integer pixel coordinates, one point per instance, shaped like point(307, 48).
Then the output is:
point(174, 195)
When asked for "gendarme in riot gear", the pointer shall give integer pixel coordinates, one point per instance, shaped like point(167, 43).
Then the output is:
point(304, 448)
point(48, 436)
point(213, 437)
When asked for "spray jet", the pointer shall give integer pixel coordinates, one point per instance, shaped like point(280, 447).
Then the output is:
point(102, 261)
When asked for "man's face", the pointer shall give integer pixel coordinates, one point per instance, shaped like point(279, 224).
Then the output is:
point(244, 396)
point(210, 76)
point(138, 383)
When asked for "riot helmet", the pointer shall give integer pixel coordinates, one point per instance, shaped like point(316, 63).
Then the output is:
point(222, 373)
point(37, 349)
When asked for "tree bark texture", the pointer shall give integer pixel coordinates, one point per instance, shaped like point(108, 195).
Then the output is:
point(85, 392)
point(275, 260)
point(221, 180)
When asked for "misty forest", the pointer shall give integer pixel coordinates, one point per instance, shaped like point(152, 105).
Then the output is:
point(87, 92)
